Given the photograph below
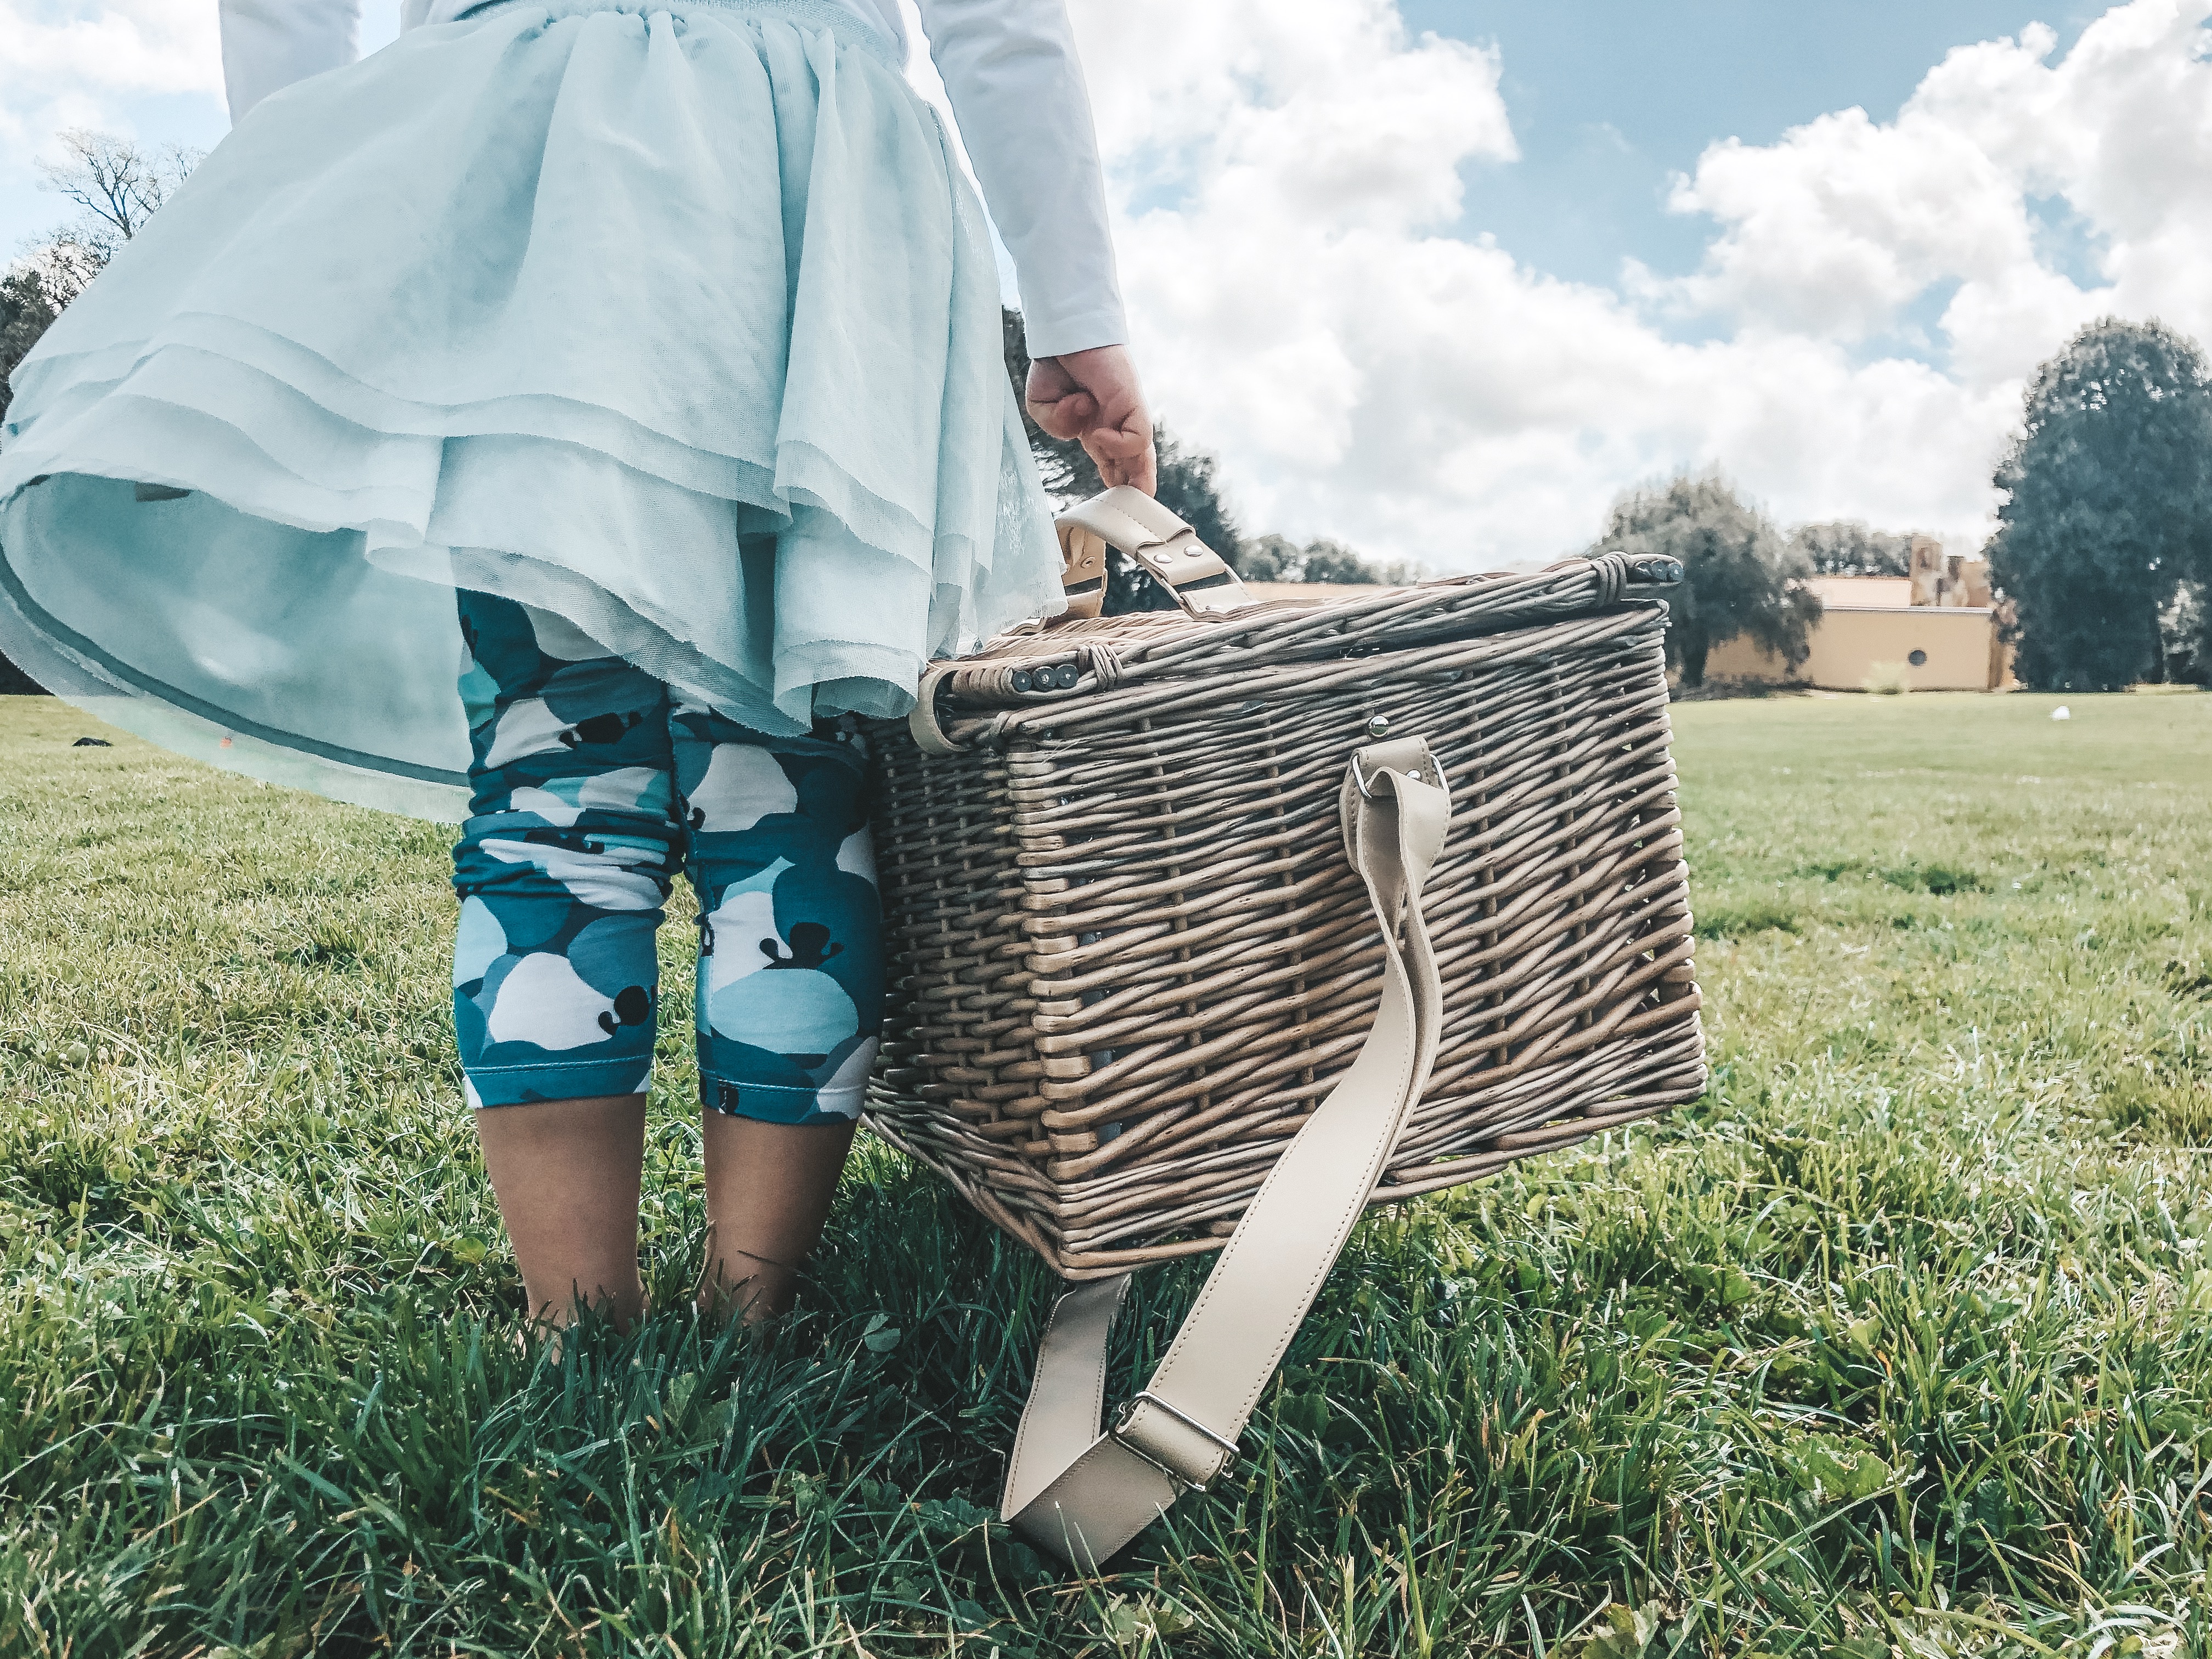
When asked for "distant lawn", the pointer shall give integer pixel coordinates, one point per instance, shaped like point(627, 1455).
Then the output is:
point(1901, 1340)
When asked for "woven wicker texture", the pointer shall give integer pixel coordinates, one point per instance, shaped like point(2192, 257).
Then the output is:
point(1129, 956)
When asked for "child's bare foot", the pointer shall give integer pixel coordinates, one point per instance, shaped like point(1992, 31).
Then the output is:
point(763, 1293)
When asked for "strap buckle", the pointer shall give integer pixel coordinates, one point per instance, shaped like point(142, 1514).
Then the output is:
point(1118, 1431)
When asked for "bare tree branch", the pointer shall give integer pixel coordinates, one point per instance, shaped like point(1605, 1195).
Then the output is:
point(117, 185)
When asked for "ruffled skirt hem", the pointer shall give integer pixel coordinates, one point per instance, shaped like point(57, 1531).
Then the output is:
point(680, 324)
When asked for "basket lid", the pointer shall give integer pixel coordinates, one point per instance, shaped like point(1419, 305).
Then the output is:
point(1221, 630)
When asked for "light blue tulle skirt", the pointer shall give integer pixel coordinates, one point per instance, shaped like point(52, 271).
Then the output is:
point(674, 318)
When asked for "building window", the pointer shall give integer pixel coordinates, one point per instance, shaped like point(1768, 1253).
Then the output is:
point(1918, 660)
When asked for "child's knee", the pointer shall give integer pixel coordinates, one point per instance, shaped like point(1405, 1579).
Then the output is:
point(790, 950)
point(556, 978)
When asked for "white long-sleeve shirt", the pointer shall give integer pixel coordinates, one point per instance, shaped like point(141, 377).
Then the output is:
point(1009, 67)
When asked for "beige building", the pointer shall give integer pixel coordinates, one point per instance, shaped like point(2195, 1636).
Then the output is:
point(1938, 626)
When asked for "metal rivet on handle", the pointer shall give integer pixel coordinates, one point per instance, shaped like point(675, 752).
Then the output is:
point(1022, 679)
point(1378, 726)
point(1066, 676)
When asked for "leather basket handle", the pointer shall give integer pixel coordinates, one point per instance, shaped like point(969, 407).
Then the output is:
point(1125, 517)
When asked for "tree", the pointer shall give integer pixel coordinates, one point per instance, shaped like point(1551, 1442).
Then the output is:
point(1846, 547)
point(116, 187)
point(1739, 577)
point(32, 292)
point(1271, 558)
point(1279, 559)
point(2106, 504)
point(1328, 561)
point(1189, 488)
point(27, 309)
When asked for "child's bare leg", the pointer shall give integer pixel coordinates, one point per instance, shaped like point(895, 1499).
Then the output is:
point(769, 1188)
point(567, 1173)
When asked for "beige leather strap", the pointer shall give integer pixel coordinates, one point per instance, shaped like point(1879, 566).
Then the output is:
point(1126, 518)
point(1081, 1493)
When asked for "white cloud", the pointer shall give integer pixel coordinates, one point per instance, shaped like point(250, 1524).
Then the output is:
point(78, 63)
point(1299, 305)
point(1838, 227)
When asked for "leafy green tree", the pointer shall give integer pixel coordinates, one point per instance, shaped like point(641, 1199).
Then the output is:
point(27, 308)
point(25, 311)
point(1190, 488)
point(1847, 547)
point(1271, 558)
point(1274, 558)
point(2107, 504)
point(1330, 560)
point(1740, 576)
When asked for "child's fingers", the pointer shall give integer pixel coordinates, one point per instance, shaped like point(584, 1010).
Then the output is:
point(1120, 442)
point(1068, 417)
point(1124, 454)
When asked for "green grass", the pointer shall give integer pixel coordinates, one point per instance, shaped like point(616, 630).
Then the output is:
point(1900, 1341)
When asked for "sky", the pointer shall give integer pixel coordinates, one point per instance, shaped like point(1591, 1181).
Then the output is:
point(1440, 278)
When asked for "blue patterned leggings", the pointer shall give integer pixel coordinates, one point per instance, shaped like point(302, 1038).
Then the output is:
point(592, 787)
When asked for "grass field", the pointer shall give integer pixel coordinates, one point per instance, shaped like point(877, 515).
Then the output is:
point(1900, 1341)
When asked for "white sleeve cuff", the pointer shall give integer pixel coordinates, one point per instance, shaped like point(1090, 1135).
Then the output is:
point(1084, 330)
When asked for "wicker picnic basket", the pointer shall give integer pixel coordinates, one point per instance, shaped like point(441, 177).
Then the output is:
point(1154, 882)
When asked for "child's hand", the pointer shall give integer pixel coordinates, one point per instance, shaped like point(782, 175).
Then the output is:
point(1094, 395)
